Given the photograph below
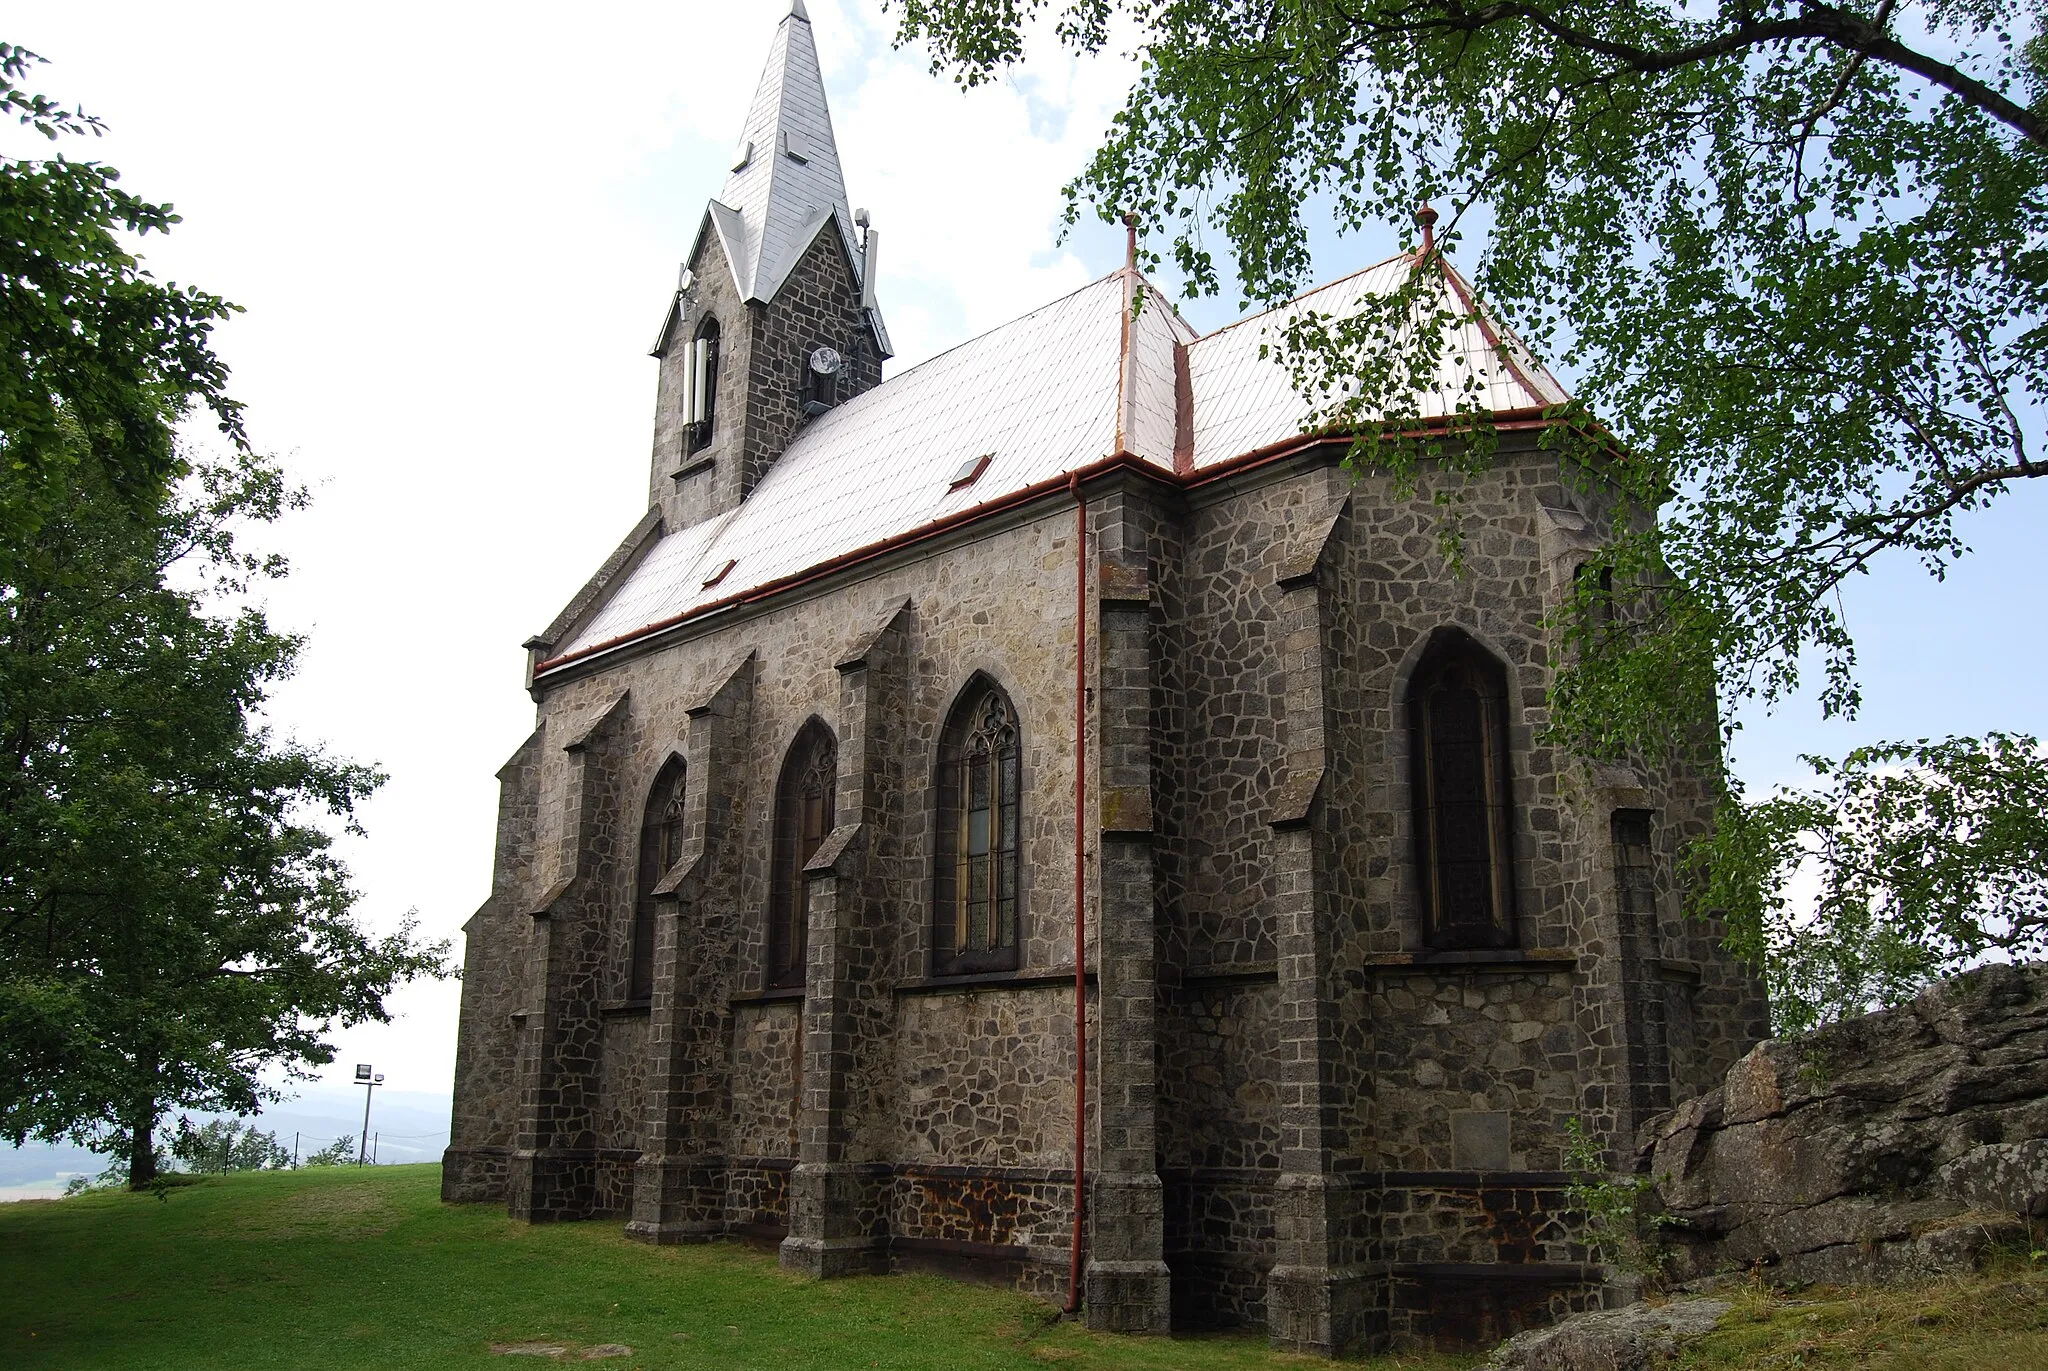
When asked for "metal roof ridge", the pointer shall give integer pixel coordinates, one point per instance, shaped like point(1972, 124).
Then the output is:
point(1135, 316)
point(1152, 287)
point(1126, 364)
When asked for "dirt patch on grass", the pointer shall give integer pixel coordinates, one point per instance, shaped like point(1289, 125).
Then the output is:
point(562, 1351)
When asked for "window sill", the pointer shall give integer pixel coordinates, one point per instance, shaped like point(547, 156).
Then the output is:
point(771, 996)
point(691, 466)
point(627, 1009)
point(989, 980)
point(1258, 973)
point(1475, 960)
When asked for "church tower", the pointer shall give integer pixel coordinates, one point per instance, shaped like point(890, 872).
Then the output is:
point(774, 317)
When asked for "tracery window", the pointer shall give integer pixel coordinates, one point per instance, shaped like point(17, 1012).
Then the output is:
point(803, 816)
point(1458, 728)
point(661, 845)
point(975, 909)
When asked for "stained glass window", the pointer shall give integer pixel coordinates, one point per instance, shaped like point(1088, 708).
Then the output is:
point(976, 886)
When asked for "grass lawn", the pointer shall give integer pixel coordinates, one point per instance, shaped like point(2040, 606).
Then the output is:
point(368, 1269)
point(1995, 1321)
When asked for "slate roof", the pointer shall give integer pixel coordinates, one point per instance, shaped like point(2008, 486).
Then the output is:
point(1063, 388)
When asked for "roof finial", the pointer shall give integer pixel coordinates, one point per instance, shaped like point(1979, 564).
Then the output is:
point(1426, 217)
point(1130, 242)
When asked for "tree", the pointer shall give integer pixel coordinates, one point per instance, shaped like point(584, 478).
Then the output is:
point(222, 1145)
point(340, 1152)
point(172, 917)
point(96, 358)
point(173, 920)
point(1793, 250)
point(1927, 857)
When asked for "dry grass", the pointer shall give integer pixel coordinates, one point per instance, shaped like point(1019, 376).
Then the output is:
point(1994, 1321)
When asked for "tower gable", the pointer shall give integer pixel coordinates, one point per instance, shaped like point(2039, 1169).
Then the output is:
point(817, 307)
point(761, 379)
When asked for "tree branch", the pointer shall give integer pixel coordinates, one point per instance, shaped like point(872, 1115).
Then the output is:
point(1826, 23)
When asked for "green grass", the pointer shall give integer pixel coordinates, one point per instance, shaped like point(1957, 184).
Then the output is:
point(1993, 1321)
point(359, 1269)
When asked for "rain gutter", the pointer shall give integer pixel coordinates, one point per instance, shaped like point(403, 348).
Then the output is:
point(1080, 889)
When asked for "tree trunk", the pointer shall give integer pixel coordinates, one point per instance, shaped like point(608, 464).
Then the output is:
point(142, 1143)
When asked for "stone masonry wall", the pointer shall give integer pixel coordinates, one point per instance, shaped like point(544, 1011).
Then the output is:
point(1448, 1080)
point(494, 991)
point(970, 624)
point(985, 1077)
point(765, 1078)
point(818, 306)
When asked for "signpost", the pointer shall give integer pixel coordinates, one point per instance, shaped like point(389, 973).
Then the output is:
point(368, 1082)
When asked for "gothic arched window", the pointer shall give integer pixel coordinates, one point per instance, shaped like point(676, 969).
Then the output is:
point(975, 905)
point(803, 816)
point(700, 386)
point(661, 844)
point(1458, 730)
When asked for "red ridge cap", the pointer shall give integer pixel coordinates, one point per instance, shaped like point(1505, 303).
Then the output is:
point(1486, 331)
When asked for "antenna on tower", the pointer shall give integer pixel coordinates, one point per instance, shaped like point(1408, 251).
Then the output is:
point(870, 248)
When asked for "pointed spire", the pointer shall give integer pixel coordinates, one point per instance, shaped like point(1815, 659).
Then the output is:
point(785, 176)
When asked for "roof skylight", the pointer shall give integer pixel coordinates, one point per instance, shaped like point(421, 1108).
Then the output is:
point(969, 471)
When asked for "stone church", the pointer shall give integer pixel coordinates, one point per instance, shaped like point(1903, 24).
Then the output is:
point(1038, 816)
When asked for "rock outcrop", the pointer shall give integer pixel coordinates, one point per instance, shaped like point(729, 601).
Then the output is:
point(1632, 1339)
point(1898, 1144)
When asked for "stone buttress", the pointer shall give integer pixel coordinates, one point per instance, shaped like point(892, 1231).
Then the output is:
point(679, 1187)
point(553, 1169)
point(1127, 1281)
point(838, 1198)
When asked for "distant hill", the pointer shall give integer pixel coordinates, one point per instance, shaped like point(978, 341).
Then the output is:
point(412, 1126)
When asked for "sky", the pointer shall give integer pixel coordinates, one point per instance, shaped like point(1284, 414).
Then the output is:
point(455, 229)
